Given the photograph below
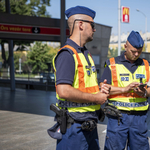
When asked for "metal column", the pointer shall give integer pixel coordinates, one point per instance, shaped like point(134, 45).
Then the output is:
point(11, 58)
point(11, 63)
point(62, 23)
point(119, 20)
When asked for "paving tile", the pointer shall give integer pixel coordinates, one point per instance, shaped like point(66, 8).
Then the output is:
point(25, 118)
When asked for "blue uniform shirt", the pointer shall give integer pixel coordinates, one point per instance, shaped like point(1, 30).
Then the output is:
point(120, 59)
point(65, 72)
point(65, 65)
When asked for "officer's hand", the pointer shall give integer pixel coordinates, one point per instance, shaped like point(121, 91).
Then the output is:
point(130, 87)
point(105, 88)
point(140, 91)
point(102, 97)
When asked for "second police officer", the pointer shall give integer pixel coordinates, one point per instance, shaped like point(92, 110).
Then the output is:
point(124, 74)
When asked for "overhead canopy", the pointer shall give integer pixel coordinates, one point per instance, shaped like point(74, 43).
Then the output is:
point(29, 28)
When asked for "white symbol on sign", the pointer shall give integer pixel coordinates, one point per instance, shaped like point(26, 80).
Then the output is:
point(126, 18)
point(36, 30)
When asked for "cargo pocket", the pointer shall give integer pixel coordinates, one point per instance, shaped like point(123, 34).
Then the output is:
point(111, 142)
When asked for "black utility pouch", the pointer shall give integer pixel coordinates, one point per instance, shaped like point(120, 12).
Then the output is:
point(112, 111)
point(88, 125)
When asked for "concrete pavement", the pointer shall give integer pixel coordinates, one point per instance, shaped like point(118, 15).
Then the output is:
point(25, 118)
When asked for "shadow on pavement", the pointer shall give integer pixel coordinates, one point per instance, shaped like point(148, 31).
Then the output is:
point(27, 129)
point(27, 101)
point(34, 102)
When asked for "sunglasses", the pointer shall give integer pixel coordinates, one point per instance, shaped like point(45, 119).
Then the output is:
point(92, 23)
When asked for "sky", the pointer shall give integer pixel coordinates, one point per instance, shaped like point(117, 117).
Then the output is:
point(107, 13)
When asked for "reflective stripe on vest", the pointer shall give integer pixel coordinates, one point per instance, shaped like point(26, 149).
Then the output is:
point(114, 73)
point(147, 69)
point(127, 99)
point(81, 85)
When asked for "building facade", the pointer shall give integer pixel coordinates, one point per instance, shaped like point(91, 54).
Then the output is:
point(113, 44)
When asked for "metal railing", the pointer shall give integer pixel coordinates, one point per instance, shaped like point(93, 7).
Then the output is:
point(44, 79)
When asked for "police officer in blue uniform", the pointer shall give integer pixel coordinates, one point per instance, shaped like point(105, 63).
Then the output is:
point(124, 74)
point(77, 90)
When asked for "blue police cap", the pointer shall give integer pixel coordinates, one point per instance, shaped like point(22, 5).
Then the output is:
point(54, 132)
point(80, 10)
point(135, 39)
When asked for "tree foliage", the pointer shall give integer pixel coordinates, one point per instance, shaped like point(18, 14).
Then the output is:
point(17, 56)
point(23, 7)
point(26, 7)
point(39, 56)
point(113, 52)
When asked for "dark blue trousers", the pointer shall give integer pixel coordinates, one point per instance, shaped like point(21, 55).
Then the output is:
point(132, 128)
point(77, 139)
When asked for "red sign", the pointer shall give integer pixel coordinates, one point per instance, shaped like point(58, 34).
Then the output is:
point(30, 29)
point(125, 14)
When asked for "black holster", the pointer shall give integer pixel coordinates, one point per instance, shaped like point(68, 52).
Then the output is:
point(62, 120)
point(61, 116)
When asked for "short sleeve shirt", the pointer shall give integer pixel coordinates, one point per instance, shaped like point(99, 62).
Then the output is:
point(120, 59)
point(65, 65)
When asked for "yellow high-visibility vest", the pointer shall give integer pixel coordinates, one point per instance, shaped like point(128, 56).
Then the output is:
point(122, 77)
point(85, 80)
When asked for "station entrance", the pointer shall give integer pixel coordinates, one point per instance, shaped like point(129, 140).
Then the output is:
point(19, 27)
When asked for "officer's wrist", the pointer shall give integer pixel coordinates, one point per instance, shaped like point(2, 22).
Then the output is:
point(123, 90)
point(145, 94)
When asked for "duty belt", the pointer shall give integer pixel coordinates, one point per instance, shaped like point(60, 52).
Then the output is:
point(67, 104)
point(85, 125)
point(133, 112)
